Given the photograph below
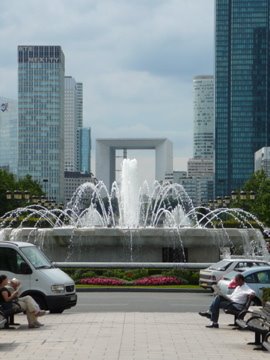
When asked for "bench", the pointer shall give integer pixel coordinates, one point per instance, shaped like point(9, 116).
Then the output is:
point(238, 314)
point(266, 342)
point(8, 314)
point(259, 323)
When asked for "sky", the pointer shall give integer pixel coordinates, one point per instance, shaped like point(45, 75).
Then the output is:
point(135, 58)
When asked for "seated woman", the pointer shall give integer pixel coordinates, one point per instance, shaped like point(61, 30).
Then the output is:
point(9, 298)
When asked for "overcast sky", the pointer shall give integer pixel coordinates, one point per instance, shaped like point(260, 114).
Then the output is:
point(135, 58)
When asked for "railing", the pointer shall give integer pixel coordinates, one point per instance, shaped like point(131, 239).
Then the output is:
point(132, 265)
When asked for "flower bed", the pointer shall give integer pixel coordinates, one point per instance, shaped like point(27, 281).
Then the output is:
point(158, 280)
point(145, 281)
point(102, 281)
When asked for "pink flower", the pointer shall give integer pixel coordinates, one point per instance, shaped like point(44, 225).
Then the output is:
point(158, 280)
point(102, 281)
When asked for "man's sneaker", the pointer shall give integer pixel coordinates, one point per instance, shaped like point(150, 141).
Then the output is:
point(212, 326)
point(206, 314)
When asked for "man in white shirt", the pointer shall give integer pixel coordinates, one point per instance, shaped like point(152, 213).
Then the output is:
point(237, 300)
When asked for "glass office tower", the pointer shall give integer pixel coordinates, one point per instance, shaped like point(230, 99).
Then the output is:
point(9, 134)
point(41, 117)
point(203, 110)
point(73, 121)
point(85, 150)
point(241, 89)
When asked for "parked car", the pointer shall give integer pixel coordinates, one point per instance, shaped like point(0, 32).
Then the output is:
point(257, 278)
point(211, 275)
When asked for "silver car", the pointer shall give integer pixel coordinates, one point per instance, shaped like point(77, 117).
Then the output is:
point(257, 278)
point(211, 275)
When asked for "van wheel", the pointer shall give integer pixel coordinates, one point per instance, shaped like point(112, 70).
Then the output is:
point(41, 301)
point(56, 311)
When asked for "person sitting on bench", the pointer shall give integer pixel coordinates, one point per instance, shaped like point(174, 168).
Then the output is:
point(12, 303)
point(237, 299)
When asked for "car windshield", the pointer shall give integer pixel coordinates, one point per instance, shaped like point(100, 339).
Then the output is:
point(36, 257)
point(221, 265)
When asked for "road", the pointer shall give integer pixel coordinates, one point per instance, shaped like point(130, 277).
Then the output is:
point(141, 302)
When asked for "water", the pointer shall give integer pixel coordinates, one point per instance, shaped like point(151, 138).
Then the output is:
point(134, 222)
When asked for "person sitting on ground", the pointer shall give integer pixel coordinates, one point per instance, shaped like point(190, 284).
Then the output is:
point(9, 299)
point(236, 300)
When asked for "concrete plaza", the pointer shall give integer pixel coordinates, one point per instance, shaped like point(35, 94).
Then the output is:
point(127, 336)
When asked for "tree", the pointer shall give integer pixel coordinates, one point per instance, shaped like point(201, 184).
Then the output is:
point(9, 182)
point(259, 183)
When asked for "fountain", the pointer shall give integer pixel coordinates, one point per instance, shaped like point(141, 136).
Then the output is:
point(136, 223)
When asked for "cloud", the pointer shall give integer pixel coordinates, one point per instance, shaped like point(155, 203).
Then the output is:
point(136, 59)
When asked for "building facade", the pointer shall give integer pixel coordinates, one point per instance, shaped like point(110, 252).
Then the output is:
point(203, 112)
point(201, 166)
point(41, 72)
point(242, 124)
point(84, 158)
point(262, 160)
point(9, 135)
point(73, 121)
point(73, 179)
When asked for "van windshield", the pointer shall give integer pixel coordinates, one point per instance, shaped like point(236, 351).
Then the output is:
point(36, 257)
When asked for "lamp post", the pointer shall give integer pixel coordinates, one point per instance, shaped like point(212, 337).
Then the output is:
point(242, 197)
point(18, 195)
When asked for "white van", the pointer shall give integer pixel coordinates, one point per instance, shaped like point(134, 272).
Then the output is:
point(49, 286)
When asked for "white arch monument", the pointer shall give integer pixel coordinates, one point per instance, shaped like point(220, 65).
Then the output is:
point(106, 159)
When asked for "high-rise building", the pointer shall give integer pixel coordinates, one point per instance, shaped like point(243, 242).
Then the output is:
point(41, 72)
point(262, 160)
point(203, 112)
point(73, 121)
point(84, 150)
point(200, 167)
point(9, 135)
point(242, 86)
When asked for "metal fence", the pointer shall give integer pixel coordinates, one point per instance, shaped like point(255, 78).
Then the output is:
point(132, 265)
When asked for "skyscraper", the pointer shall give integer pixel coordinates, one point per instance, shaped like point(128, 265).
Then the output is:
point(200, 167)
point(203, 110)
point(9, 135)
point(85, 150)
point(41, 116)
point(73, 121)
point(242, 124)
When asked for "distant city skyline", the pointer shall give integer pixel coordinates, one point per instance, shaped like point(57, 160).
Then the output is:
point(135, 59)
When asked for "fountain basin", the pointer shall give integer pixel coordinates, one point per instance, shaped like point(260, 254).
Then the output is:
point(138, 245)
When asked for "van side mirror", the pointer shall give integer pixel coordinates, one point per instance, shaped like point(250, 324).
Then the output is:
point(25, 268)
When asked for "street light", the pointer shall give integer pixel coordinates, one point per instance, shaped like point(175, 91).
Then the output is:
point(18, 195)
point(227, 200)
point(243, 195)
point(233, 195)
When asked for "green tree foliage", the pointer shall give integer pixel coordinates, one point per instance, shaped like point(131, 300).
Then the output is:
point(9, 182)
point(260, 207)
